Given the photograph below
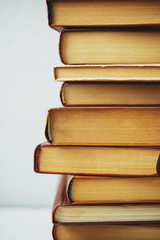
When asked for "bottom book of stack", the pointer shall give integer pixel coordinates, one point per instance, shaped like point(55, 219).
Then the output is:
point(83, 221)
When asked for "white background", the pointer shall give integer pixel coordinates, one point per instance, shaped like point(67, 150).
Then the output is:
point(29, 50)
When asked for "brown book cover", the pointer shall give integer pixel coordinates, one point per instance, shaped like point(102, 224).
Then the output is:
point(61, 197)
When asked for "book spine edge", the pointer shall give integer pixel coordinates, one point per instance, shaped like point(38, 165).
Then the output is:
point(62, 94)
point(47, 129)
point(69, 190)
point(158, 166)
point(54, 232)
point(60, 47)
point(36, 158)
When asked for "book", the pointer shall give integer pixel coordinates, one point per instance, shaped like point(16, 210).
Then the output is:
point(106, 231)
point(64, 212)
point(92, 13)
point(109, 73)
point(93, 160)
point(92, 190)
point(107, 93)
point(109, 46)
point(104, 126)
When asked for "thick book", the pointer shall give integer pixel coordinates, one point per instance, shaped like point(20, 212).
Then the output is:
point(109, 73)
point(109, 47)
point(93, 160)
point(101, 231)
point(110, 94)
point(64, 212)
point(104, 126)
point(92, 13)
point(92, 190)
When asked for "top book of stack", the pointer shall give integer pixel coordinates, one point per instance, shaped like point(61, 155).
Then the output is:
point(103, 13)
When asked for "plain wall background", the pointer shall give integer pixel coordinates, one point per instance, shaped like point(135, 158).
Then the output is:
point(29, 50)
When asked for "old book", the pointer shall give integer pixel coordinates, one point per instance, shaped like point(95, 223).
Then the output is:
point(92, 13)
point(107, 93)
point(64, 212)
point(107, 126)
point(91, 190)
point(114, 47)
point(109, 73)
point(92, 160)
point(103, 231)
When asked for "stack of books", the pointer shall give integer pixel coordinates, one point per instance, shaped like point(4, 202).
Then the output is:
point(107, 135)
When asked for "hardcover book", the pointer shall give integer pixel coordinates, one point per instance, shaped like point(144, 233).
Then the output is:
point(110, 94)
point(91, 190)
point(64, 212)
point(102, 13)
point(101, 231)
point(93, 160)
point(110, 47)
point(104, 126)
